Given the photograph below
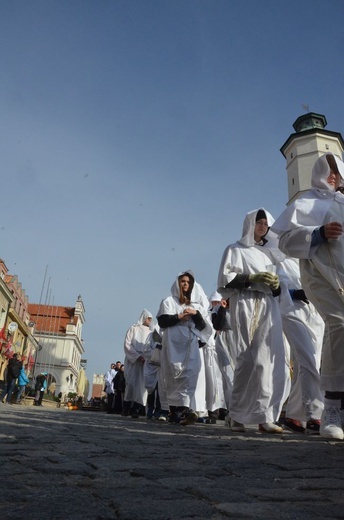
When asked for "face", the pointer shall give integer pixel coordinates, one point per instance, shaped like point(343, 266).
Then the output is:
point(260, 229)
point(113, 366)
point(184, 283)
point(118, 365)
point(147, 322)
point(334, 180)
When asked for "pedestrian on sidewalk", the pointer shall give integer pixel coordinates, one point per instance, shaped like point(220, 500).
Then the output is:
point(40, 387)
point(13, 370)
point(23, 380)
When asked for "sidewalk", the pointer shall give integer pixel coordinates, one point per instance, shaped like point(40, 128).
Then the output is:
point(59, 464)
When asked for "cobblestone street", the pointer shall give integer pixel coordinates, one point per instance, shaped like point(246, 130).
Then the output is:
point(61, 464)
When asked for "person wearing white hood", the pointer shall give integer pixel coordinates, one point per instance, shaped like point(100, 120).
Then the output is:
point(304, 330)
point(246, 276)
point(311, 229)
point(183, 318)
point(134, 345)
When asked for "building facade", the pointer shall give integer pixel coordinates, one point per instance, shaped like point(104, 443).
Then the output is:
point(15, 328)
point(98, 386)
point(58, 331)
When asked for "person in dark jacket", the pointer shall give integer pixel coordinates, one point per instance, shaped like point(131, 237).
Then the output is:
point(40, 387)
point(119, 387)
point(13, 370)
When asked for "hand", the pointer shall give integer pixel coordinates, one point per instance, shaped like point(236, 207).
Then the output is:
point(267, 278)
point(187, 313)
point(275, 285)
point(333, 230)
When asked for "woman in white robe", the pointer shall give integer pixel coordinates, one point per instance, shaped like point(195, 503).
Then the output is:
point(184, 321)
point(134, 345)
point(246, 277)
point(311, 229)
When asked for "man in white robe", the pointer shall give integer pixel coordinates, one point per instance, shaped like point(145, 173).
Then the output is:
point(134, 345)
point(311, 229)
point(246, 276)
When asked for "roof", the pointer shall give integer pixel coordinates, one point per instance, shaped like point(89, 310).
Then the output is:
point(52, 319)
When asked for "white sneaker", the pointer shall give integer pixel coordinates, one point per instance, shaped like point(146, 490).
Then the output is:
point(331, 423)
point(270, 427)
point(237, 426)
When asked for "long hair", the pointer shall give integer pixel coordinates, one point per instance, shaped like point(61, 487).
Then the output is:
point(185, 298)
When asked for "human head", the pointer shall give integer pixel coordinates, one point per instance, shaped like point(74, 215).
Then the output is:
point(113, 366)
point(147, 321)
point(118, 365)
point(215, 299)
point(328, 172)
point(186, 282)
point(261, 226)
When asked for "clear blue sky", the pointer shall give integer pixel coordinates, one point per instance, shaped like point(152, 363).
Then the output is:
point(136, 135)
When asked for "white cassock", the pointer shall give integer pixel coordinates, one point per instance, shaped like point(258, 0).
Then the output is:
point(181, 357)
point(321, 265)
point(226, 356)
point(134, 345)
point(304, 330)
point(261, 369)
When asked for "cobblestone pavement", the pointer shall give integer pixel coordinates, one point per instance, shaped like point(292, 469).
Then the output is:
point(59, 464)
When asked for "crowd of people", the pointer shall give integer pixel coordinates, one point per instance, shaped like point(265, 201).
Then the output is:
point(266, 347)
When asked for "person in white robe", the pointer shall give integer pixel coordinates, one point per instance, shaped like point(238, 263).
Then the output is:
point(304, 330)
point(134, 344)
point(247, 277)
point(214, 393)
point(225, 348)
point(109, 388)
point(184, 321)
point(157, 406)
point(311, 229)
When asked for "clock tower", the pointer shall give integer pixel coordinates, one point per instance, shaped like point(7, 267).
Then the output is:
point(304, 147)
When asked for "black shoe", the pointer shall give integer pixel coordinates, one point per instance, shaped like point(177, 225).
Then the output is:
point(173, 417)
point(293, 425)
point(188, 417)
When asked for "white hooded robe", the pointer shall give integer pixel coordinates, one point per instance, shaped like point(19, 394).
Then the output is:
point(180, 354)
point(134, 345)
point(261, 370)
point(321, 265)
